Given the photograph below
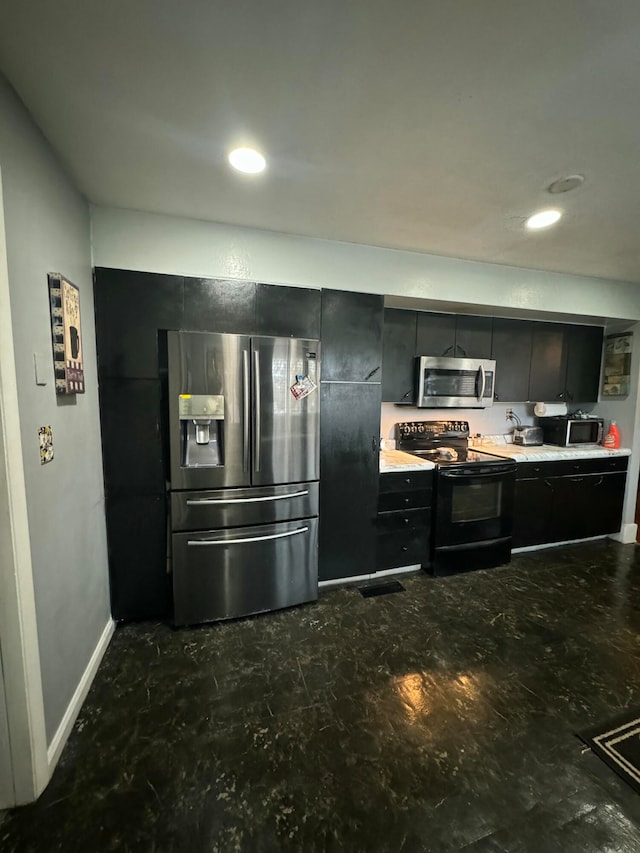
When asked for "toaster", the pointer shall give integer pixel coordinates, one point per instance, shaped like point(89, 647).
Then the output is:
point(529, 436)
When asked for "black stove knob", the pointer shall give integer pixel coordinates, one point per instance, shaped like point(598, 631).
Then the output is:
point(413, 429)
point(421, 428)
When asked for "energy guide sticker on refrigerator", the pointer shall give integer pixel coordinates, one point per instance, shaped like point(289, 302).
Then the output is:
point(244, 461)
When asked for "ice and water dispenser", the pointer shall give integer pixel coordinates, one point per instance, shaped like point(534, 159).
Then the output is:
point(201, 430)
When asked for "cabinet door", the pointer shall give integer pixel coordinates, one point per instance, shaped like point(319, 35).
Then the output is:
point(398, 355)
point(435, 334)
point(588, 505)
point(532, 512)
point(548, 362)
point(351, 336)
point(290, 312)
point(583, 363)
point(473, 336)
point(218, 305)
point(511, 349)
point(349, 463)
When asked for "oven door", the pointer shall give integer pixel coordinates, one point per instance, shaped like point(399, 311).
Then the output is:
point(474, 517)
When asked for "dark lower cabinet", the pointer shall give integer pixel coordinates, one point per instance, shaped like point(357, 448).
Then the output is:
point(349, 464)
point(404, 519)
point(561, 501)
point(137, 542)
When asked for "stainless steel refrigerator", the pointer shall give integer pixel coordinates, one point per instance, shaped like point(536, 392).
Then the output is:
point(244, 462)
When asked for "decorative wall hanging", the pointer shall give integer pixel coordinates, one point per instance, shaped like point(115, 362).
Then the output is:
point(45, 435)
point(617, 365)
point(64, 299)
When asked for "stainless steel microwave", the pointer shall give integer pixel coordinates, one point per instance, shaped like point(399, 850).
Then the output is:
point(460, 383)
point(565, 431)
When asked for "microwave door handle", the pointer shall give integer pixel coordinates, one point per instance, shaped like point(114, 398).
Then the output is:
point(482, 384)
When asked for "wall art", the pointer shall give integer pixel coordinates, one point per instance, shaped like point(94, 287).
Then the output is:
point(45, 437)
point(616, 373)
point(64, 300)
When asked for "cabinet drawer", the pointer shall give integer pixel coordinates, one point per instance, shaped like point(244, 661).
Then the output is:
point(564, 467)
point(403, 548)
point(410, 520)
point(403, 500)
point(406, 481)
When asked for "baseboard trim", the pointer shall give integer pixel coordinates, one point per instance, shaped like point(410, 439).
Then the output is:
point(61, 736)
point(628, 534)
point(403, 570)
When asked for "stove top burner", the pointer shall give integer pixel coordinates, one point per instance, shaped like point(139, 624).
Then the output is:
point(442, 442)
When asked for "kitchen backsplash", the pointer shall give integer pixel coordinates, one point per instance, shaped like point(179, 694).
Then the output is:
point(485, 421)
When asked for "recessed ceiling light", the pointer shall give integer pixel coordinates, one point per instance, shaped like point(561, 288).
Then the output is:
point(543, 219)
point(247, 160)
point(566, 184)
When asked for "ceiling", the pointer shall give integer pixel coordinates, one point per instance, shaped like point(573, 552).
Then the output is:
point(420, 124)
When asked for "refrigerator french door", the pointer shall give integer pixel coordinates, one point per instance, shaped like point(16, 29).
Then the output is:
point(244, 463)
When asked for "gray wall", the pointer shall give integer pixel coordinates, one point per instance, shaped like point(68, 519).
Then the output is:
point(47, 230)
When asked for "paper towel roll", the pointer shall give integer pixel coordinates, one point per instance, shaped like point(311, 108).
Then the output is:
point(550, 409)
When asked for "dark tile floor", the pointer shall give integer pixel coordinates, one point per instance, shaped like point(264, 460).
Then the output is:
point(440, 718)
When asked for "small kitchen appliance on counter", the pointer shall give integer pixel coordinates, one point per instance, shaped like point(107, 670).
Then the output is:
point(473, 516)
point(572, 430)
point(528, 436)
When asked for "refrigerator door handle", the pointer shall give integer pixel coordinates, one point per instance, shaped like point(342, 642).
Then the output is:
point(248, 539)
point(256, 409)
point(245, 410)
point(210, 501)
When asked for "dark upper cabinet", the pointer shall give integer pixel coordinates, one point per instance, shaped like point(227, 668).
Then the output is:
point(219, 305)
point(565, 363)
point(349, 465)
point(583, 363)
point(435, 334)
point(473, 336)
point(287, 311)
point(548, 362)
point(130, 307)
point(131, 412)
point(511, 349)
point(351, 336)
point(398, 352)
point(453, 335)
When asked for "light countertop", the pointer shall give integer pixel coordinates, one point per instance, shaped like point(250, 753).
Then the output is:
point(549, 453)
point(397, 460)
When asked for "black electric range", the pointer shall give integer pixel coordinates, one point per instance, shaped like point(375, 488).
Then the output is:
point(445, 443)
point(474, 490)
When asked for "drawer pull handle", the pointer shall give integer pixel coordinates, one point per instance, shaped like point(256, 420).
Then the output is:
point(404, 548)
point(408, 480)
point(406, 520)
point(214, 501)
point(406, 500)
point(248, 539)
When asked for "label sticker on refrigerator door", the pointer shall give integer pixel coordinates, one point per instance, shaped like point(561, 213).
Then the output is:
point(302, 387)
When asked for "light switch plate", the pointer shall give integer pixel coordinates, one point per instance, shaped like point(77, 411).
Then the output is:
point(42, 366)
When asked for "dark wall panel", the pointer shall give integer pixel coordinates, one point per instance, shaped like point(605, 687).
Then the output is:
point(132, 447)
point(137, 538)
point(130, 308)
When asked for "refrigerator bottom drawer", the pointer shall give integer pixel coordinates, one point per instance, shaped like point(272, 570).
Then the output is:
point(223, 574)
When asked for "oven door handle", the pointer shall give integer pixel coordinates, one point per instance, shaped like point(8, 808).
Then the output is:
point(457, 475)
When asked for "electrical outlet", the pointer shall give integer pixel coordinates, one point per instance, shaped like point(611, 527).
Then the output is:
point(508, 414)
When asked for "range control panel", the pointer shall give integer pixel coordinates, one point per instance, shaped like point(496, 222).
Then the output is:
point(432, 429)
